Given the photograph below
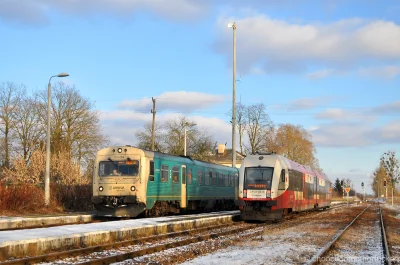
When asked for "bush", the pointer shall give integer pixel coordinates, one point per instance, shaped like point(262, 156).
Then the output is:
point(73, 197)
point(22, 199)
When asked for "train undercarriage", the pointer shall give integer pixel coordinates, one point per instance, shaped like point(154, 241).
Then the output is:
point(126, 206)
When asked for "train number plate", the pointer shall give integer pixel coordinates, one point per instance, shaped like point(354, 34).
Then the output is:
point(255, 194)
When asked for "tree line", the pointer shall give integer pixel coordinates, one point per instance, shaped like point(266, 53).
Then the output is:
point(384, 179)
point(256, 132)
point(386, 176)
point(75, 134)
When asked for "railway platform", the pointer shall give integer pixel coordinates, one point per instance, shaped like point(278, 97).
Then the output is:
point(40, 241)
point(35, 221)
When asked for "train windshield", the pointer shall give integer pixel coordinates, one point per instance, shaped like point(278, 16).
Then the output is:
point(119, 168)
point(258, 177)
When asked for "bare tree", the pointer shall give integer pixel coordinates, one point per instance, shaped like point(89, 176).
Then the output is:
point(377, 180)
point(10, 98)
point(241, 123)
point(175, 133)
point(144, 137)
point(258, 126)
point(391, 166)
point(27, 128)
point(169, 138)
point(293, 142)
point(75, 124)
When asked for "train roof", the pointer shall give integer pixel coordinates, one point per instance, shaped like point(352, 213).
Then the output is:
point(188, 159)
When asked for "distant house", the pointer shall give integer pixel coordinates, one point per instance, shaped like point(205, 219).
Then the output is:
point(223, 156)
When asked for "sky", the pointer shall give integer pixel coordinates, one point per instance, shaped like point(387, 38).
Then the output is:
point(329, 66)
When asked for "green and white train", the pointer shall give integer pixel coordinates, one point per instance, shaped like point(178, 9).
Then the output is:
point(130, 181)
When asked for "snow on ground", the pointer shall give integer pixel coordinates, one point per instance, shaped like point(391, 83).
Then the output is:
point(297, 245)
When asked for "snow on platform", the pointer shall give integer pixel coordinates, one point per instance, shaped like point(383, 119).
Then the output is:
point(39, 241)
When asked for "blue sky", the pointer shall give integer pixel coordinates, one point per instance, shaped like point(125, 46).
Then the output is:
point(330, 66)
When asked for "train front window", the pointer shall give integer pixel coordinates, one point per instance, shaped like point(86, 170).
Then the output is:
point(119, 168)
point(258, 177)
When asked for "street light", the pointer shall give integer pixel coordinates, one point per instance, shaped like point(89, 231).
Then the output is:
point(184, 144)
point(47, 174)
point(233, 26)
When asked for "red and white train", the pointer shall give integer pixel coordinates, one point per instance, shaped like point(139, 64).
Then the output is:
point(271, 186)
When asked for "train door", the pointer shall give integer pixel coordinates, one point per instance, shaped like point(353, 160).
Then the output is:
point(183, 187)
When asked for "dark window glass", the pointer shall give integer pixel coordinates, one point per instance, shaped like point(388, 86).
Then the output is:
point(282, 180)
point(119, 168)
point(208, 176)
point(258, 177)
point(218, 178)
point(175, 174)
point(164, 173)
point(189, 176)
point(199, 175)
point(151, 177)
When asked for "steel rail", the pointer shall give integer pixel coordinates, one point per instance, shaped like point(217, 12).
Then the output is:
point(315, 259)
point(384, 240)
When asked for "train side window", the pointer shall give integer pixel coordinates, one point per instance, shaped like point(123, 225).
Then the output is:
point(236, 180)
point(175, 174)
point(199, 177)
point(189, 176)
point(281, 185)
point(208, 176)
point(218, 178)
point(214, 179)
point(151, 175)
point(164, 173)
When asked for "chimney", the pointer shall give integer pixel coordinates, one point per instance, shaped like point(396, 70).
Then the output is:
point(221, 148)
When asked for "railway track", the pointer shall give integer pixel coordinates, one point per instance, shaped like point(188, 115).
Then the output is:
point(344, 248)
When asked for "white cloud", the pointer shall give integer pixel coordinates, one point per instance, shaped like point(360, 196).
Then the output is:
point(121, 125)
point(306, 103)
point(278, 45)
point(342, 135)
point(333, 114)
point(320, 74)
point(390, 108)
point(389, 133)
point(385, 72)
point(180, 101)
point(36, 11)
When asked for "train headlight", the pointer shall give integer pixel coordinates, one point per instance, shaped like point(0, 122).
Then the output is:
point(133, 188)
point(119, 150)
point(101, 188)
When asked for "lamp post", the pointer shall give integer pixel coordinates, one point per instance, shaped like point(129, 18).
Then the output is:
point(184, 137)
point(233, 26)
point(47, 174)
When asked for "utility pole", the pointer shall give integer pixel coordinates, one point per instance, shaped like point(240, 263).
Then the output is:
point(233, 26)
point(152, 125)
